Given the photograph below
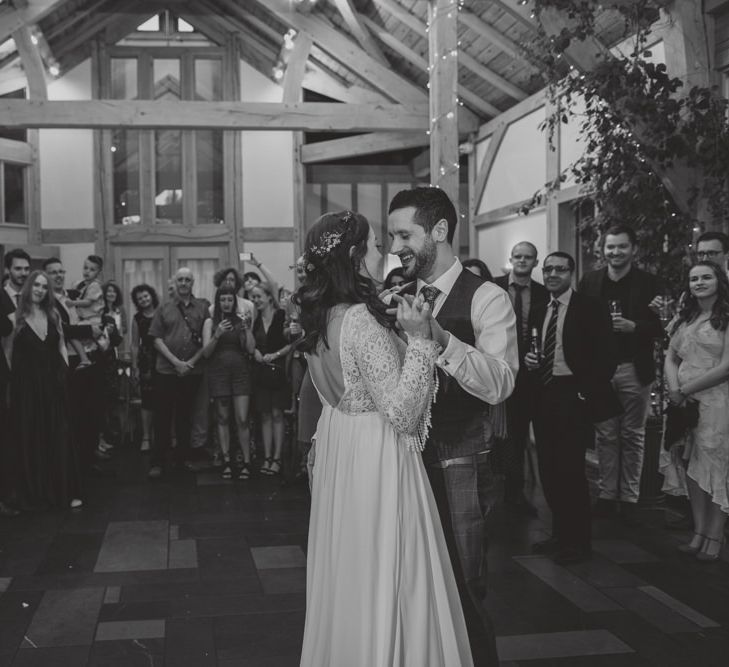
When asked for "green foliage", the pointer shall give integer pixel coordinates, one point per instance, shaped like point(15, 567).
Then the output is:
point(638, 122)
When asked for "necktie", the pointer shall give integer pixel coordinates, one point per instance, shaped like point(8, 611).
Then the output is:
point(430, 294)
point(519, 310)
point(550, 342)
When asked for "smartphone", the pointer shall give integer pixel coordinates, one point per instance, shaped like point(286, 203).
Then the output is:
point(245, 256)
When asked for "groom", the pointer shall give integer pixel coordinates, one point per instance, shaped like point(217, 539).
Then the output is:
point(476, 327)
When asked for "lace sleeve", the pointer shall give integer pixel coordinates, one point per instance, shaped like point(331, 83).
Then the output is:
point(402, 395)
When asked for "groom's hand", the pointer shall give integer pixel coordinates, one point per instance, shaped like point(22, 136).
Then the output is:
point(397, 299)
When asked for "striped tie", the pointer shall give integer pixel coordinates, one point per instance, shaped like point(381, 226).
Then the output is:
point(550, 342)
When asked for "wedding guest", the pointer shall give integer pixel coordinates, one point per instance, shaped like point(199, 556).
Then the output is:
point(696, 369)
point(478, 268)
point(228, 343)
point(177, 330)
point(231, 278)
point(114, 322)
point(89, 298)
point(272, 395)
point(528, 297)
point(251, 279)
point(395, 278)
point(573, 390)
point(621, 440)
point(144, 354)
point(48, 465)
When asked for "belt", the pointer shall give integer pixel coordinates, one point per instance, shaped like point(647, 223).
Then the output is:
point(461, 460)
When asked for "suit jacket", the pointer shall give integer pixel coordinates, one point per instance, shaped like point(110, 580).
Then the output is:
point(7, 307)
point(589, 350)
point(539, 300)
point(648, 325)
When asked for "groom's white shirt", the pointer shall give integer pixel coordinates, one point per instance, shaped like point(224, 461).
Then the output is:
point(488, 370)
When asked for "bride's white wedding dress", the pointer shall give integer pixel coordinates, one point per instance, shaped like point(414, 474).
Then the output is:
point(380, 588)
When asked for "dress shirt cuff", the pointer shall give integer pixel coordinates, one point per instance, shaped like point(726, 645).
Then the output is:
point(452, 356)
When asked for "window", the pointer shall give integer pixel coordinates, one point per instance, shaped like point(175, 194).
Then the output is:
point(12, 193)
point(168, 176)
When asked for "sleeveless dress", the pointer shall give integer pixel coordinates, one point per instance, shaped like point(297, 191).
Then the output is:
point(228, 368)
point(46, 458)
point(700, 348)
point(146, 360)
point(380, 587)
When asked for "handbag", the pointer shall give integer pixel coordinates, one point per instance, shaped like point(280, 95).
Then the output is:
point(680, 419)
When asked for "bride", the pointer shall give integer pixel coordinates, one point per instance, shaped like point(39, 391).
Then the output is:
point(380, 588)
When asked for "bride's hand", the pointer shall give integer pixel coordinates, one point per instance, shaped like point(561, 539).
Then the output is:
point(414, 318)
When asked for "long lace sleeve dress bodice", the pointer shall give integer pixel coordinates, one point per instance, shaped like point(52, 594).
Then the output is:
point(380, 588)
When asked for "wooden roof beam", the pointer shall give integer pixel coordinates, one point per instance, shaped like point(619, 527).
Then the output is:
point(362, 144)
point(296, 68)
point(319, 81)
point(415, 24)
point(147, 114)
point(498, 39)
point(32, 12)
point(520, 13)
point(354, 23)
point(35, 70)
point(486, 108)
point(350, 54)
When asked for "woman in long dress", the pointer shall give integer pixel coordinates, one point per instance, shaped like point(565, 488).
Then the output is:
point(47, 460)
point(696, 368)
point(380, 588)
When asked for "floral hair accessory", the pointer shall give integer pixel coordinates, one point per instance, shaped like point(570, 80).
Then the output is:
point(329, 240)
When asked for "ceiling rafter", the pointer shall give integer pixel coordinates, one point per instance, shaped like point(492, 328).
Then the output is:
point(32, 12)
point(520, 13)
point(352, 19)
point(473, 100)
point(350, 54)
point(487, 74)
point(33, 66)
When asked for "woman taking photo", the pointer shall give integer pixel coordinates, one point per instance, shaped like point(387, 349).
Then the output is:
point(380, 588)
point(47, 460)
point(696, 368)
point(272, 391)
point(145, 300)
point(228, 343)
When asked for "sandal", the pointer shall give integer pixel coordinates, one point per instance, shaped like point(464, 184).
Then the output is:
point(706, 557)
point(245, 471)
point(691, 548)
point(275, 467)
point(266, 467)
point(227, 471)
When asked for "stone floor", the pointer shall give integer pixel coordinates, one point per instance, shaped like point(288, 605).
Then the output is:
point(195, 572)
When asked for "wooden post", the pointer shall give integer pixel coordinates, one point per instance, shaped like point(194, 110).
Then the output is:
point(443, 57)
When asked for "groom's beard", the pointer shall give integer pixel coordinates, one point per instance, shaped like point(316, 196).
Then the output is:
point(423, 261)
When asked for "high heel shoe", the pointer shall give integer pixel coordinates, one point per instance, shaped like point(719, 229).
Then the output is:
point(710, 558)
point(691, 549)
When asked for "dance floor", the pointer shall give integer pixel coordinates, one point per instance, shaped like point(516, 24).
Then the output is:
point(191, 571)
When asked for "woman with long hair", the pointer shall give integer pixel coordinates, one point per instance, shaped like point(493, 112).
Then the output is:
point(272, 395)
point(228, 343)
point(696, 369)
point(47, 460)
point(380, 588)
point(114, 323)
point(144, 355)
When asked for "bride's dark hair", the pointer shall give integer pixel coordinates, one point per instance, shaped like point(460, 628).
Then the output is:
point(333, 254)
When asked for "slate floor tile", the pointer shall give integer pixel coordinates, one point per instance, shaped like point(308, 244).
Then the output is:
point(214, 606)
point(175, 591)
point(69, 656)
point(134, 545)
point(190, 643)
point(283, 580)
point(224, 558)
point(137, 629)
point(71, 552)
point(286, 556)
point(16, 612)
point(134, 611)
point(65, 618)
point(259, 635)
point(127, 653)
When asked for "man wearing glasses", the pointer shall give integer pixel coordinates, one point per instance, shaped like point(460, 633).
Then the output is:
point(572, 377)
point(713, 247)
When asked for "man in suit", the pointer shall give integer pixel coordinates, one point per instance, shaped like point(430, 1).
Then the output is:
point(620, 441)
point(476, 328)
point(85, 384)
point(573, 389)
point(17, 267)
point(527, 297)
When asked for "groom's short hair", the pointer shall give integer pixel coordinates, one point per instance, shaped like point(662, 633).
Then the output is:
point(431, 205)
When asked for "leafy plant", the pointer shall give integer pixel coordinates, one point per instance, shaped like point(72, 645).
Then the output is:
point(638, 123)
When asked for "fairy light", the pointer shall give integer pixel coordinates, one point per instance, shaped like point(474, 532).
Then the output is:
point(437, 60)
